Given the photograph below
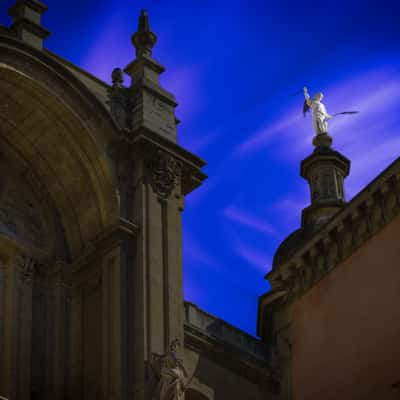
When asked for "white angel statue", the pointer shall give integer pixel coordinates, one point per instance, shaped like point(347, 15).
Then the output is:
point(319, 114)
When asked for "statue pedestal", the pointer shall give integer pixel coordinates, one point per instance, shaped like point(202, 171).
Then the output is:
point(322, 140)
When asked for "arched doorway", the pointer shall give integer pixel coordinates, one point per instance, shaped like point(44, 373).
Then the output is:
point(57, 195)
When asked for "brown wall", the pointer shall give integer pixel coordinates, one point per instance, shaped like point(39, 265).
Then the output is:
point(346, 330)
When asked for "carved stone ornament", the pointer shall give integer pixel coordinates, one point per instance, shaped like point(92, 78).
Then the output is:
point(25, 267)
point(164, 173)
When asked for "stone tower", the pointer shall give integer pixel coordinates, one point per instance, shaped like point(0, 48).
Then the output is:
point(325, 170)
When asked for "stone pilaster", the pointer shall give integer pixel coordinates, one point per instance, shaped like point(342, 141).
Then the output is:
point(160, 182)
point(153, 175)
point(57, 328)
point(16, 314)
point(99, 316)
point(158, 304)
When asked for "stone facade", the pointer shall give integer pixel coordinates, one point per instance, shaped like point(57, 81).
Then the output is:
point(91, 195)
point(92, 191)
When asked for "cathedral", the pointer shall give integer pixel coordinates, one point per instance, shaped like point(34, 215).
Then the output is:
point(92, 192)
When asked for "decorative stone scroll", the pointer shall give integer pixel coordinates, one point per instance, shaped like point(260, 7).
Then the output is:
point(164, 172)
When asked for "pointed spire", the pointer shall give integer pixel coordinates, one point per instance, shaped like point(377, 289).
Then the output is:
point(26, 23)
point(144, 40)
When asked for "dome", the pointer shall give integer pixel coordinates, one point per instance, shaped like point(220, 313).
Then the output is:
point(290, 245)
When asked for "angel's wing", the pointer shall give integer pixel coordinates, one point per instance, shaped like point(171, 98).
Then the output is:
point(306, 108)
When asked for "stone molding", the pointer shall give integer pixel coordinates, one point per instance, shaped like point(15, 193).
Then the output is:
point(371, 210)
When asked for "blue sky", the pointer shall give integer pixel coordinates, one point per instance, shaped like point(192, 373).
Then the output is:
point(234, 66)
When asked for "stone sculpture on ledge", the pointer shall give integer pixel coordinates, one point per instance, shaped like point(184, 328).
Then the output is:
point(171, 374)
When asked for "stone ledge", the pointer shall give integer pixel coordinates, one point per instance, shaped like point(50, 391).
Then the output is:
point(213, 327)
point(226, 355)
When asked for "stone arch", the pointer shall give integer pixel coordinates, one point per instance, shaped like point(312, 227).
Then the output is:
point(61, 132)
point(25, 215)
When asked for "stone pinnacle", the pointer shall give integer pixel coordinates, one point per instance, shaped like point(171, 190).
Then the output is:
point(144, 40)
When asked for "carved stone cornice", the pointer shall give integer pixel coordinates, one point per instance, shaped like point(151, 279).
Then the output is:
point(371, 210)
point(167, 164)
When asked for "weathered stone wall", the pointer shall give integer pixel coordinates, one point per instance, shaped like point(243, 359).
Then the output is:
point(222, 361)
point(345, 329)
point(215, 381)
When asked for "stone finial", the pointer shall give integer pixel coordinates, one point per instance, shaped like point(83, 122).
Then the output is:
point(26, 23)
point(144, 40)
point(117, 77)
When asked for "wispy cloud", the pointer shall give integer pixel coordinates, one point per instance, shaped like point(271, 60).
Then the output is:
point(267, 134)
point(367, 139)
point(248, 220)
point(184, 81)
point(288, 209)
point(253, 256)
point(195, 254)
